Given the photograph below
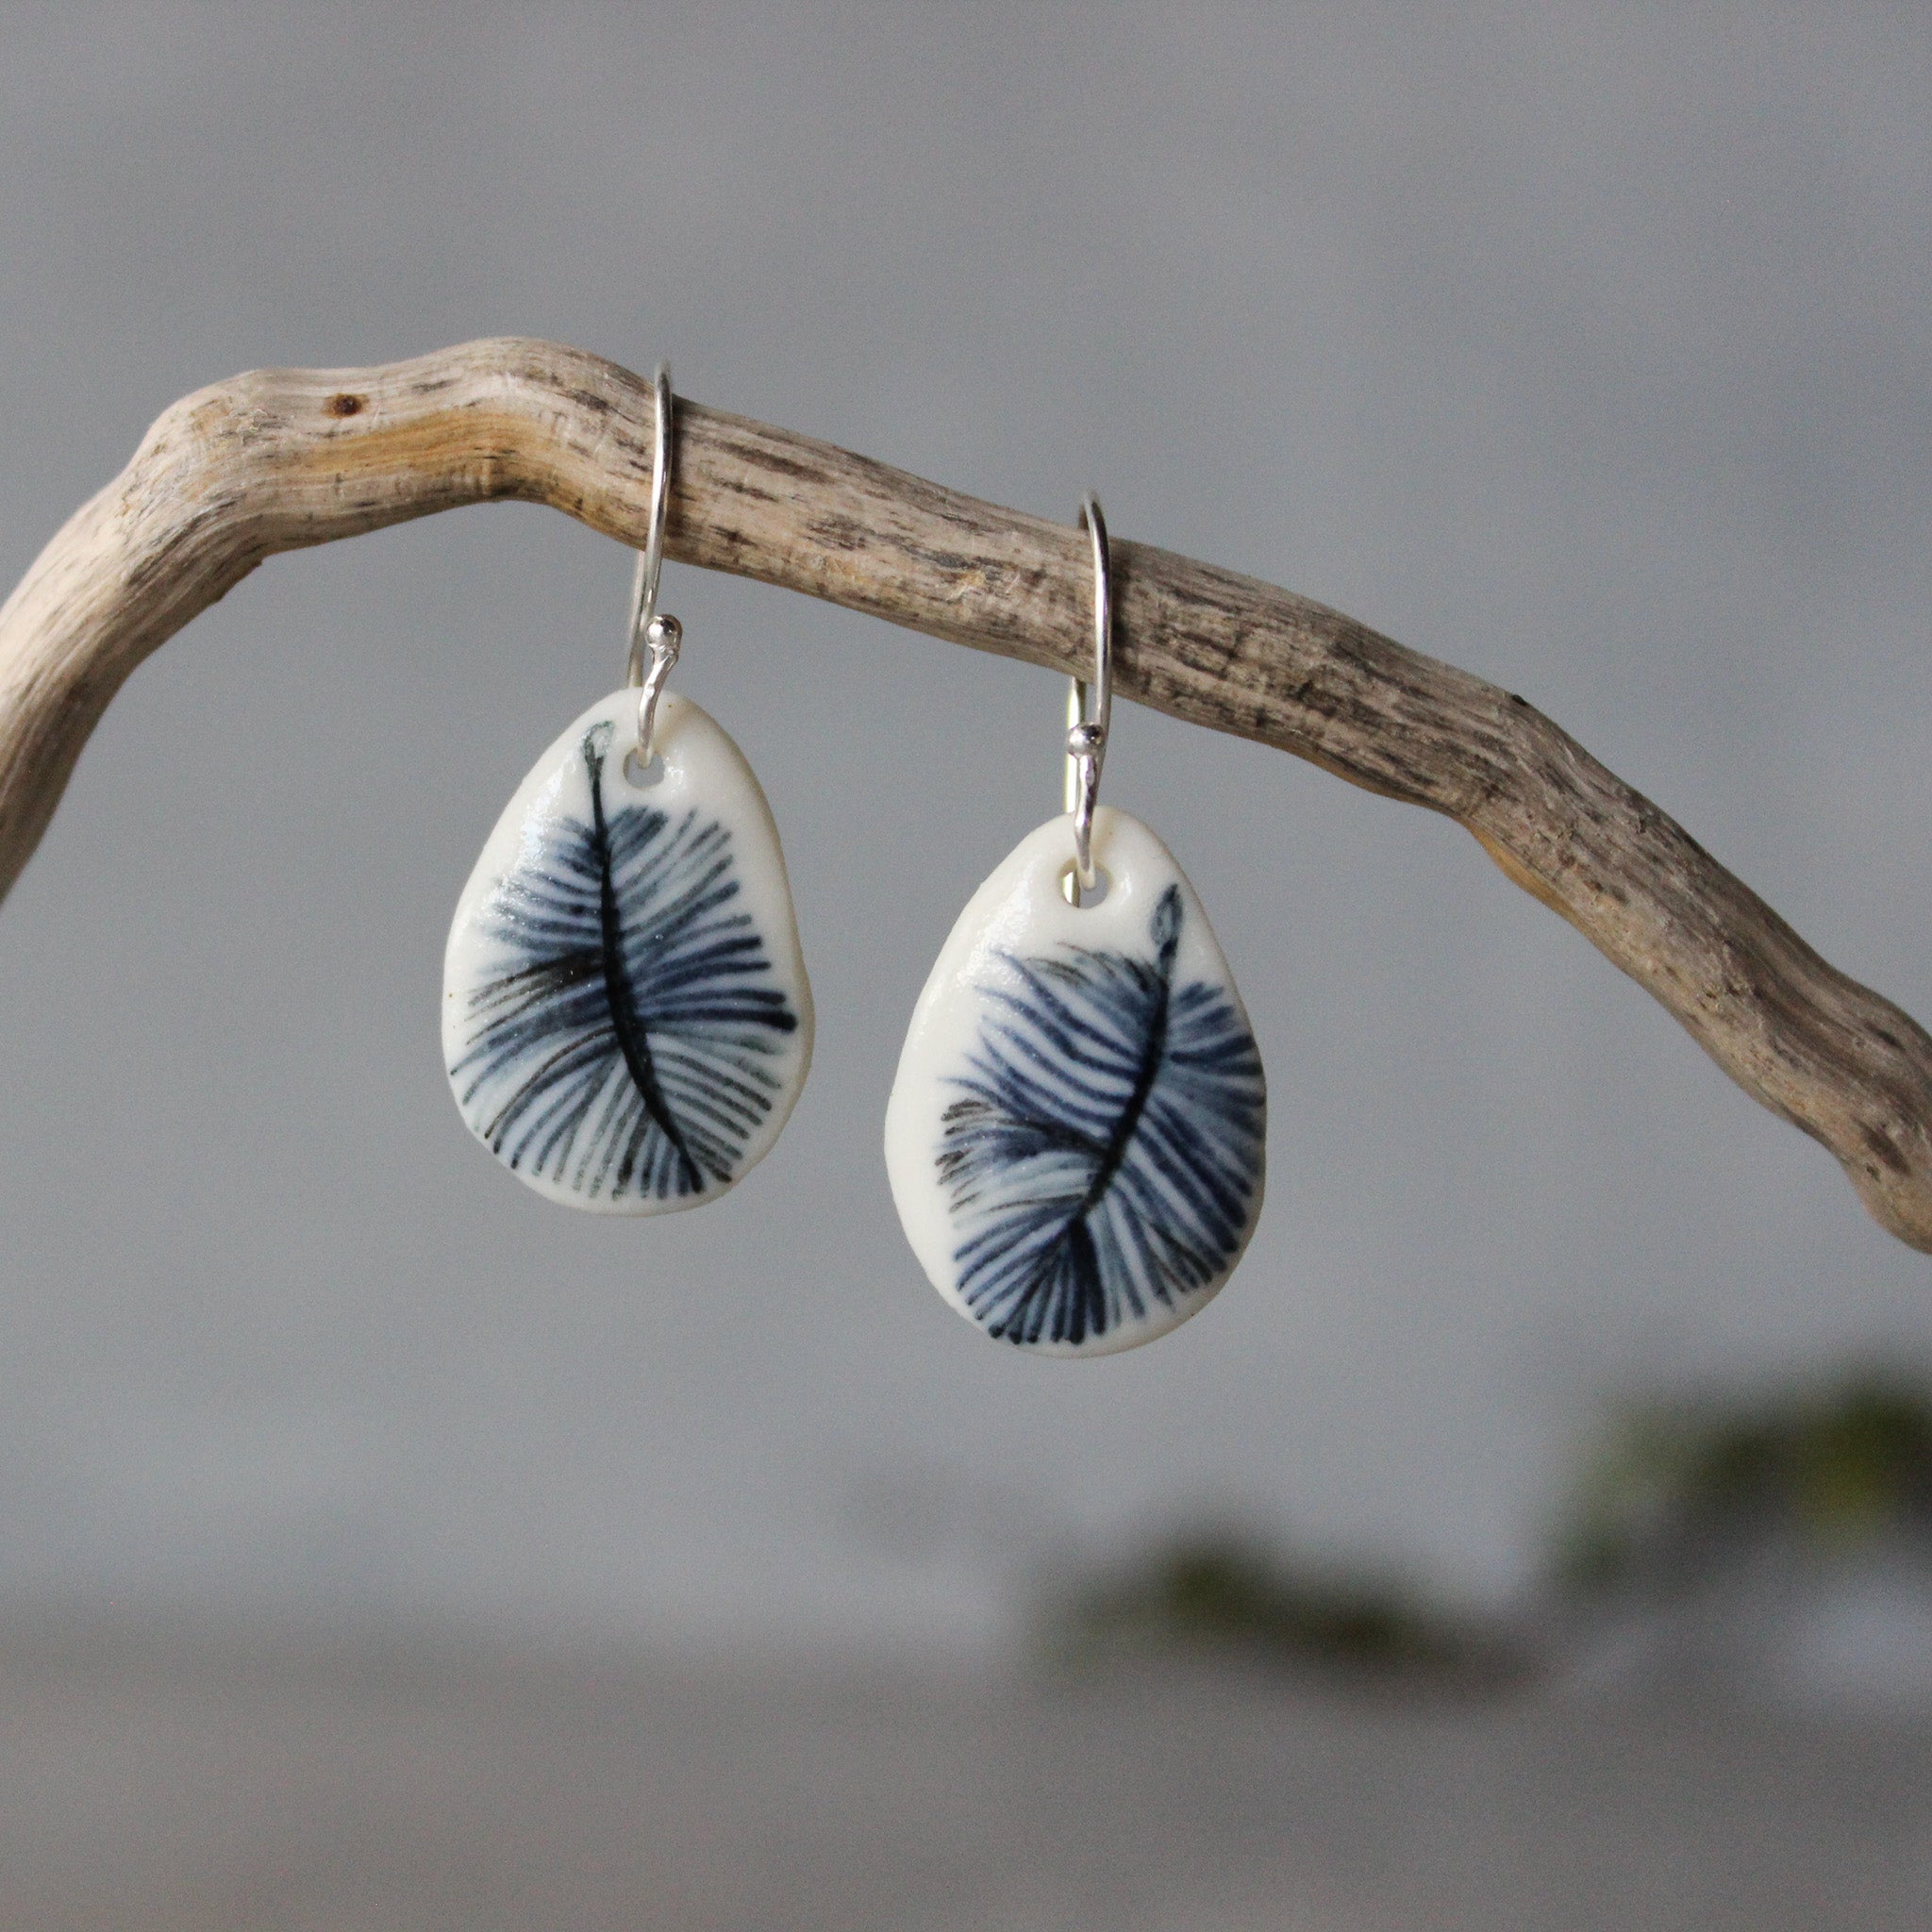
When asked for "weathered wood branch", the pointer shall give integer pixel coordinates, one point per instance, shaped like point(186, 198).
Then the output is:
point(283, 458)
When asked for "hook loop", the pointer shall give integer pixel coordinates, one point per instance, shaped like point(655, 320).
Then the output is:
point(1087, 733)
point(663, 635)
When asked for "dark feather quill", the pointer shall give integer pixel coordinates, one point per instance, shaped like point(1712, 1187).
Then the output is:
point(621, 1047)
point(1105, 1150)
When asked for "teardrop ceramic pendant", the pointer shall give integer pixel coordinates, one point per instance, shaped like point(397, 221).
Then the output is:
point(1076, 1136)
point(625, 1018)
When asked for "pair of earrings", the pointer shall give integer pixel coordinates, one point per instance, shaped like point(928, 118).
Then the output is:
point(1075, 1138)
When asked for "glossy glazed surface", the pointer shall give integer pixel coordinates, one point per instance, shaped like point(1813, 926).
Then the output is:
point(1076, 1134)
point(627, 1021)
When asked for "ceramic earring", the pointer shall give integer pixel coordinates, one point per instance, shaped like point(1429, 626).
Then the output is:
point(627, 1021)
point(1076, 1136)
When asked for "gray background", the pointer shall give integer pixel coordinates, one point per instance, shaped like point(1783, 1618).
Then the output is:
point(1587, 352)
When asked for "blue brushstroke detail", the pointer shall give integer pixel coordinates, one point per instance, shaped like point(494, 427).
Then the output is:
point(622, 1046)
point(1104, 1151)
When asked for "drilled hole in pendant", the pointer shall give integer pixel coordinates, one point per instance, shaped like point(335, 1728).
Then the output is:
point(1081, 897)
point(640, 774)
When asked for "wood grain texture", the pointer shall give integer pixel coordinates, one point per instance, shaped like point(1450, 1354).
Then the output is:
point(282, 459)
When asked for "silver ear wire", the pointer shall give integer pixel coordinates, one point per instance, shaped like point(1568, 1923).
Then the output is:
point(663, 635)
point(1087, 735)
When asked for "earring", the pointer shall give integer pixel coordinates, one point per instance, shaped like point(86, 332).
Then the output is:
point(626, 1017)
point(1076, 1136)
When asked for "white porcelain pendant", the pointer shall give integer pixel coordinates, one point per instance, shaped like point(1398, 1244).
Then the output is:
point(1076, 1136)
point(626, 1017)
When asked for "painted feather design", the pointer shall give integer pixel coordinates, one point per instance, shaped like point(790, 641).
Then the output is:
point(622, 1044)
point(1102, 1156)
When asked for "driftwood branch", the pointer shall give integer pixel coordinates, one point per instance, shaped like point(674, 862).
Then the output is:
point(282, 459)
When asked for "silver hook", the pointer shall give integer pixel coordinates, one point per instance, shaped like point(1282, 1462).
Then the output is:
point(663, 635)
point(1087, 736)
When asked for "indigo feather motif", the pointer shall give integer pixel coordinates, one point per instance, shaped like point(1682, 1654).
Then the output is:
point(620, 1044)
point(1103, 1152)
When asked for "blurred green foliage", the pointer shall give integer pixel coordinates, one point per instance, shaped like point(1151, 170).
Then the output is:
point(1672, 1492)
point(1831, 1465)
point(1223, 1593)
